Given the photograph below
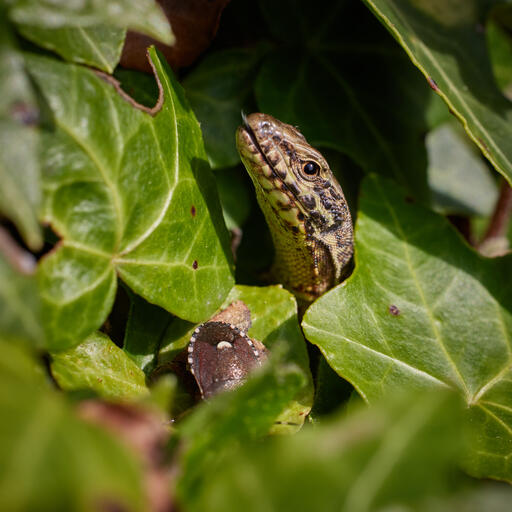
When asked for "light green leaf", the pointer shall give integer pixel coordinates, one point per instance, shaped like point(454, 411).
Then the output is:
point(398, 453)
point(99, 365)
point(347, 86)
point(444, 40)
point(458, 177)
point(274, 323)
point(19, 307)
point(20, 193)
point(51, 460)
point(98, 46)
point(423, 310)
point(130, 194)
point(144, 16)
point(218, 89)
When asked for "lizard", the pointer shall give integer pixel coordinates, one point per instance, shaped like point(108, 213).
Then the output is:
point(303, 204)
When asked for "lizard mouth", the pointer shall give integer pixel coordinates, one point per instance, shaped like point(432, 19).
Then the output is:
point(258, 141)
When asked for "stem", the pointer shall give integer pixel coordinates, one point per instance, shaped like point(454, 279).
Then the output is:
point(498, 224)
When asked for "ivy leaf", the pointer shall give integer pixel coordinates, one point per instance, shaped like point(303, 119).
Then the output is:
point(144, 16)
point(447, 42)
point(381, 458)
point(98, 46)
point(218, 89)
point(423, 310)
point(330, 78)
point(145, 329)
point(99, 365)
point(19, 306)
point(461, 183)
point(229, 418)
point(50, 459)
point(130, 194)
point(20, 193)
point(274, 323)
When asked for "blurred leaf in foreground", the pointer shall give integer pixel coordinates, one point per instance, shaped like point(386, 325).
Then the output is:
point(398, 453)
point(20, 321)
point(50, 459)
point(20, 194)
point(423, 310)
point(98, 46)
point(144, 16)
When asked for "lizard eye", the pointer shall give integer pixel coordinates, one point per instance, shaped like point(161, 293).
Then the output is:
point(311, 168)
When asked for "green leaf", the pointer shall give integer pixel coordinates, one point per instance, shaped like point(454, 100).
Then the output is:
point(219, 424)
point(19, 307)
point(130, 194)
point(274, 323)
point(423, 310)
point(345, 83)
point(144, 16)
point(459, 179)
point(218, 89)
point(234, 196)
point(443, 39)
point(20, 193)
point(99, 365)
point(98, 46)
point(51, 460)
point(145, 330)
point(398, 453)
point(500, 53)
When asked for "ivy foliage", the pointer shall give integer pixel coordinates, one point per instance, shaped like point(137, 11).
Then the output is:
point(127, 221)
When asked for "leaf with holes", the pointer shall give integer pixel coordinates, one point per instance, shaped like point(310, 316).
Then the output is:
point(129, 193)
point(446, 40)
point(423, 310)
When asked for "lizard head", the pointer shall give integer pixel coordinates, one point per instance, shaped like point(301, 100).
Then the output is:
point(294, 181)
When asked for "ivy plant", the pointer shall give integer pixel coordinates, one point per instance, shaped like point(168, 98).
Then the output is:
point(127, 221)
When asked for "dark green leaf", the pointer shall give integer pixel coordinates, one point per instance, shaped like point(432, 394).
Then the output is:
point(344, 82)
point(234, 196)
point(423, 310)
point(144, 16)
point(99, 365)
point(128, 193)
point(145, 329)
point(398, 453)
point(218, 90)
point(98, 46)
point(446, 41)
